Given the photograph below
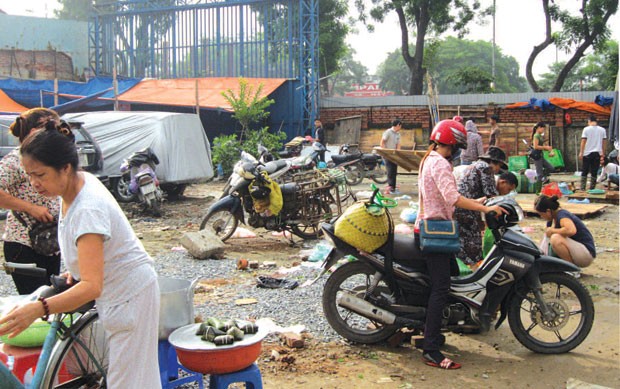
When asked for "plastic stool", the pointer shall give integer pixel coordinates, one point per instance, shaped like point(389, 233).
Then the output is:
point(169, 368)
point(250, 376)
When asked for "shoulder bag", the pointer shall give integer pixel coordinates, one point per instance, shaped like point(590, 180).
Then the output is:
point(43, 236)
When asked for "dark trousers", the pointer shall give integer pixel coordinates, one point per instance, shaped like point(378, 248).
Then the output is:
point(19, 253)
point(591, 163)
point(392, 170)
point(438, 266)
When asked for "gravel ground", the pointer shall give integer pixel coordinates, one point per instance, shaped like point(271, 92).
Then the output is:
point(285, 307)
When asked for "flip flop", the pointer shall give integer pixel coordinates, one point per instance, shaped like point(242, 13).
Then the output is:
point(447, 364)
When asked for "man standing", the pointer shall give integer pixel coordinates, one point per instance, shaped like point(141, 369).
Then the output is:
point(591, 151)
point(319, 135)
point(391, 140)
point(494, 136)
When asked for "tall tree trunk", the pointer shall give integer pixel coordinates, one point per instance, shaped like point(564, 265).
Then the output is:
point(415, 62)
point(538, 49)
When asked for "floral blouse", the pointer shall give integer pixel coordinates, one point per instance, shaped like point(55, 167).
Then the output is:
point(14, 181)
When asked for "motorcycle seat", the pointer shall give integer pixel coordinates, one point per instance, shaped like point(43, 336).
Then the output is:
point(369, 157)
point(273, 166)
point(406, 253)
point(288, 189)
point(339, 159)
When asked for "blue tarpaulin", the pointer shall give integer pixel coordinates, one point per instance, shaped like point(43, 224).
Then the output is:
point(603, 101)
point(28, 92)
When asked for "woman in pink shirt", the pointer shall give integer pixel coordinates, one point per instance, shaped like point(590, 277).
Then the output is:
point(438, 198)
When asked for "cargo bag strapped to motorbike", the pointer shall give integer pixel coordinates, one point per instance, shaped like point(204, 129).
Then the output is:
point(364, 226)
point(267, 196)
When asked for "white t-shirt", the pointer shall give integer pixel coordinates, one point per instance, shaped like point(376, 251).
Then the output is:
point(391, 138)
point(610, 168)
point(127, 267)
point(594, 136)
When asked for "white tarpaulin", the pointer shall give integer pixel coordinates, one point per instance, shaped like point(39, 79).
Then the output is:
point(177, 139)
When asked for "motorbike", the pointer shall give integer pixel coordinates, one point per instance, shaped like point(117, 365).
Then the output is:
point(371, 296)
point(294, 147)
point(359, 165)
point(303, 204)
point(247, 162)
point(138, 171)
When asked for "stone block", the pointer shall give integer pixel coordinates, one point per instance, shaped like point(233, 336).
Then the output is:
point(203, 244)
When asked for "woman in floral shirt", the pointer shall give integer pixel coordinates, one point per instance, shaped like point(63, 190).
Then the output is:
point(17, 195)
point(438, 198)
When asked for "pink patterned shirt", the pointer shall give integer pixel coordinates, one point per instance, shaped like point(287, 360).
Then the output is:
point(437, 188)
point(14, 181)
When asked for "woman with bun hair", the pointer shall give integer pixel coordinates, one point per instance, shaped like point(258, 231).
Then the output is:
point(438, 198)
point(17, 195)
point(100, 249)
point(543, 167)
point(570, 239)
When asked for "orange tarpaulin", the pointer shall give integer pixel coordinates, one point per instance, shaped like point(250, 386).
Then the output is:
point(9, 105)
point(182, 91)
point(580, 105)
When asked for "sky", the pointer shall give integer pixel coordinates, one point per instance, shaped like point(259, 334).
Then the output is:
point(519, 26)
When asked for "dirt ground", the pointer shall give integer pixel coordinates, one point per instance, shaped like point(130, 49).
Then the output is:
point(496, 359)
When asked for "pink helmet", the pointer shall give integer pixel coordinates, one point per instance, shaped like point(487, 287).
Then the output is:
point(450, 132)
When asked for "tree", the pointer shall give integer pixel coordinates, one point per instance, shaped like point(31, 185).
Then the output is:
point(457, 66)
point(588, 74)
point(75, 9)
point(349, 72)
point(576, 34)
point(428, 18)
point(248, 106)
point(332, 34)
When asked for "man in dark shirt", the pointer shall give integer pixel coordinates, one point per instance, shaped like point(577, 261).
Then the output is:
point(319, 135)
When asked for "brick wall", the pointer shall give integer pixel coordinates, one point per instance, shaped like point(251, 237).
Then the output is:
point(516, 124)
point(36, 65)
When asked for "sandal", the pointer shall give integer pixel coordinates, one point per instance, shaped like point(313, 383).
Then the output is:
point(433, 358)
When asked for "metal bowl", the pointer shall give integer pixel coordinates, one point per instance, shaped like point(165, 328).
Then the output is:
point(207, 358)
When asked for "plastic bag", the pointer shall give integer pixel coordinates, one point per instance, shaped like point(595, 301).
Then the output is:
point(319, 253)
point(544, 245)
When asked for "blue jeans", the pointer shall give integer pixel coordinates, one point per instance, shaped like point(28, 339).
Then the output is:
point(613, 178)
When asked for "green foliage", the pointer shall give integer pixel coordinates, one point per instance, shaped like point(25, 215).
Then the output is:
point(332, 34)
point(458, 66)
point(248, 105)
point(350, 72)
point(226, 150)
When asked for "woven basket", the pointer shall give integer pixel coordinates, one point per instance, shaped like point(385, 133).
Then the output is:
point(361, 229)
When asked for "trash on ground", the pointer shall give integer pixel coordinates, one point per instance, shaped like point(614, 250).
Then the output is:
point(320, 252)
point(268, 324)
point(285, 234)
point(275, 283)
point(403, 229)
point(179, 249)
point(241, 232)
point(364, 194)
point(403, 197)
point(576, 201)
point(246, 301)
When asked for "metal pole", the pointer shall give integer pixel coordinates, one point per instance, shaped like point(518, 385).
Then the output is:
point(493, 51)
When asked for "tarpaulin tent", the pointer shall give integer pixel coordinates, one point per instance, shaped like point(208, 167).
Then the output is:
point(543, 105)
point(182, 91)
point(8, 105)
point(177, 139)
point(28, 92)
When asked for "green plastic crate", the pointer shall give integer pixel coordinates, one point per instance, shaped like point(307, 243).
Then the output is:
point(525, 186)
point(556, 161)
point(518, 162)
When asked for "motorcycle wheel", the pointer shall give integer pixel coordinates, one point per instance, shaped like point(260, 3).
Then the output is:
point(355, 278)
point(223, 222)
point(312, 230)
point(354, 174)
point(571, 303)
point(379, 173)
point(155, 208)
point(121, 190)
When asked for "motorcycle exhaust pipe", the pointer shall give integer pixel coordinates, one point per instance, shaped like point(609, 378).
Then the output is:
point(366, 309)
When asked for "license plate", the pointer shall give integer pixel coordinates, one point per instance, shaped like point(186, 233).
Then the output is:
point(83, 159)
point(148, 188)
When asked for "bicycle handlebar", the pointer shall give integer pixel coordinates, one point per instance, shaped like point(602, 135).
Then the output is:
point(27, 269)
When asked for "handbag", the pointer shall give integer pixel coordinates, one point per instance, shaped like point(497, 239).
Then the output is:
point(439, 236)
point(43, 236)
point(536, 154)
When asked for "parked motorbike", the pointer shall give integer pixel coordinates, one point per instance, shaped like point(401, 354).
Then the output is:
point(359, 165)
point(303, 205)
point(294, 147)
point(372, 295)
point(138, 172)
point(247, 162)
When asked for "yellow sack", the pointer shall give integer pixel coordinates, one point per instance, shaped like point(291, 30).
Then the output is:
point(273, 206)
point(363, 226)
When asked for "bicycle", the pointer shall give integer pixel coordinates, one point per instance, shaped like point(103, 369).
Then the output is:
point(72, 356)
